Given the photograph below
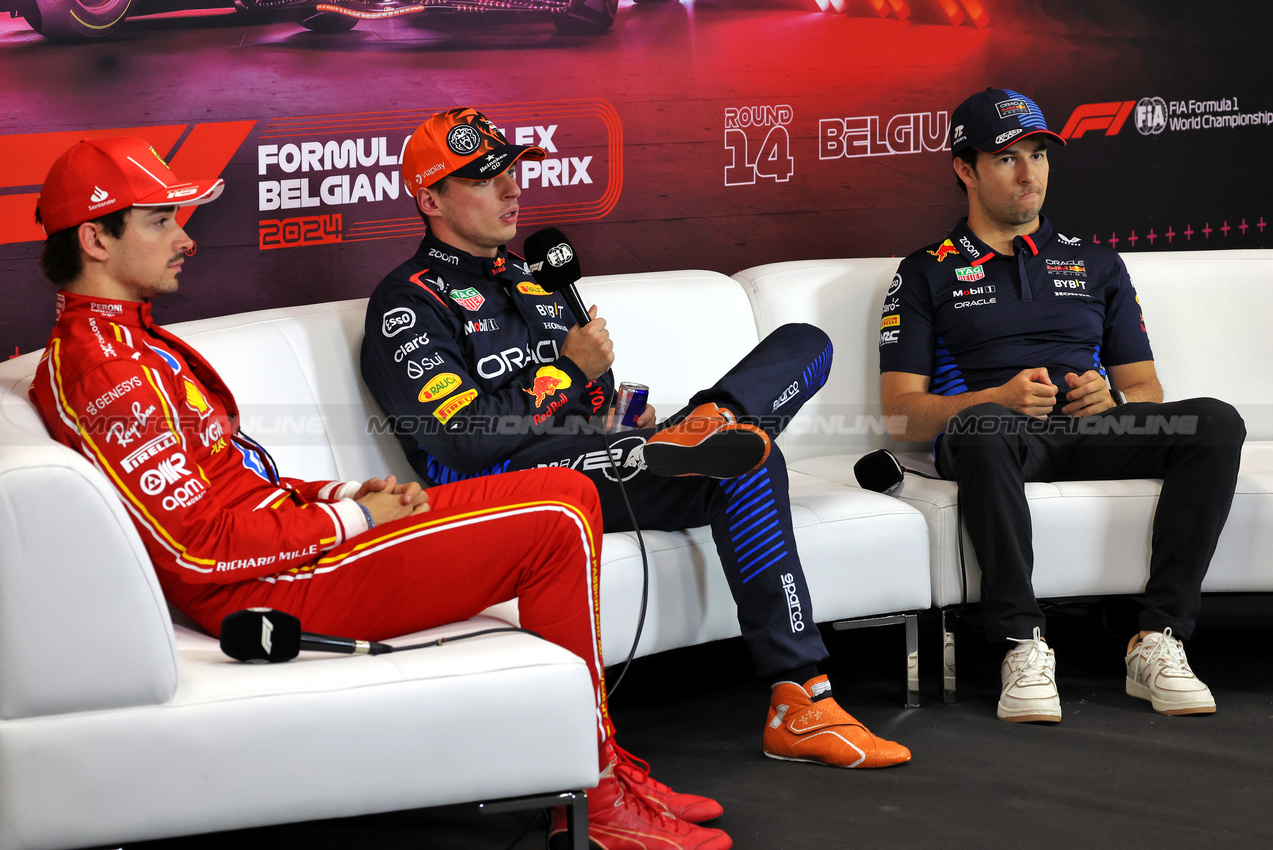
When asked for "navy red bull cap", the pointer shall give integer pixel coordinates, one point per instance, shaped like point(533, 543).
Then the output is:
point(462, 143)
point(995, 119)
point(99, 176)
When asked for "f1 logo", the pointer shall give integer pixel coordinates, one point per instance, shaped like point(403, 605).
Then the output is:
point(1098, 116)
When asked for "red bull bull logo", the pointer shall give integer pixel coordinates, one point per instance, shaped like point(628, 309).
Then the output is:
point(1064, 267)
point(944, 250)
point(548, 380)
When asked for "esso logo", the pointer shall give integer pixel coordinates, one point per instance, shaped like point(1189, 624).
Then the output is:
point(397, 320)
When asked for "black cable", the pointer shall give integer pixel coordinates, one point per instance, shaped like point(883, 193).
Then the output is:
point(452, 639)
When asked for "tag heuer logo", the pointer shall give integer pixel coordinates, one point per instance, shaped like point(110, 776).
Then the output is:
point(469, 299)
point(970, 273)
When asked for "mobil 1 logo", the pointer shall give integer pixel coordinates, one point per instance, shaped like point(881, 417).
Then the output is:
point(758, 144)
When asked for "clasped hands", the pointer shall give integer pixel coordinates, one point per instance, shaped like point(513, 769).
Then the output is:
point(1032, 392)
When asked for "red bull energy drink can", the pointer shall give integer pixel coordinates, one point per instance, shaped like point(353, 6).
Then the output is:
point(629, 405)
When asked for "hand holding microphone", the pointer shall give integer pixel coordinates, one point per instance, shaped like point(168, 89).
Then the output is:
point(589, 346)
point(555, 264)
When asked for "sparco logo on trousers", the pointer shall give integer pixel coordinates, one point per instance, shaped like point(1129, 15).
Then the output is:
point(794, 611)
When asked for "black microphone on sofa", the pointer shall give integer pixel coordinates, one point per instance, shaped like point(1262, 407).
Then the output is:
point(266, 635)
point(882, 472)
point(556, 267)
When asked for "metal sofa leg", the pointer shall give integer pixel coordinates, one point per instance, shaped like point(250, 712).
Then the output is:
point(912, 661)
point(576, 819)
point(910, 685)
point(947, 658)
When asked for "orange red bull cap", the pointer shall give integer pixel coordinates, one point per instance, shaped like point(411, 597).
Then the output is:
point(461, 143)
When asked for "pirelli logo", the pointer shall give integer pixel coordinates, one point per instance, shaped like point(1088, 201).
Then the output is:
point(890, 321)
point(445, 411)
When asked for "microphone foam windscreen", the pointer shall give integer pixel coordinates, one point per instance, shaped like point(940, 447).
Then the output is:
point(879, 471)
point(551, 251)
point(261, 634)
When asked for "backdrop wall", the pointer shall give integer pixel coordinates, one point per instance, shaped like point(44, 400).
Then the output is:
point(714, 134)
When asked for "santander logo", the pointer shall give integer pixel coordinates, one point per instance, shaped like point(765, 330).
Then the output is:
point(99, 195)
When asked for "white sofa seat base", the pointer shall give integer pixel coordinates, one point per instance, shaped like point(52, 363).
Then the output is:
point(238, 743)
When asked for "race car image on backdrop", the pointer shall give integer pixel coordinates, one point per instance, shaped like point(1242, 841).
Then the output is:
point(85, 20)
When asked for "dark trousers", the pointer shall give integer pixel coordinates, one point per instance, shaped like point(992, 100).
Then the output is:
point(750, 516)
point(1192, 445)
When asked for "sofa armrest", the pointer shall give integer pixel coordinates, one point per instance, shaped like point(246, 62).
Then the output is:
point(83, 623)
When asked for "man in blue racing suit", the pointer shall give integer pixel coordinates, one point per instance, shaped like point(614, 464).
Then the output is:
point(1001, 344)
point(483, 372)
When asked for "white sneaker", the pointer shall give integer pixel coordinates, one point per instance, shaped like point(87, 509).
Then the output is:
point(1158, 671)
point(1029, 683)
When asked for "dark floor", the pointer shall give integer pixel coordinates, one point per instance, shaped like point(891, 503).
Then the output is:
point(1112, 774)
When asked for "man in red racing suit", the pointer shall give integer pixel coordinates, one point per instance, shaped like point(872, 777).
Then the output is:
point(226, 532)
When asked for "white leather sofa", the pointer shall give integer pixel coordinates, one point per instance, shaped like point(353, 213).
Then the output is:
point(1208, 315)
point(117, 725)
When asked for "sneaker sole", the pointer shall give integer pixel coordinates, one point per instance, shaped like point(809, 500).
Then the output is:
point(1172, 709)
point(811, 761)
point(1028, 715)
point(829, 764)
point(725, 454)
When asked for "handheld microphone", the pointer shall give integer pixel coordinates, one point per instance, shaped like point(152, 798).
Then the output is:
point(556, 266)
point(265, 635)
point(881, 471)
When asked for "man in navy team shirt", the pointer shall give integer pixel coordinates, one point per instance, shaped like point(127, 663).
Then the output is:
point(1001, 344)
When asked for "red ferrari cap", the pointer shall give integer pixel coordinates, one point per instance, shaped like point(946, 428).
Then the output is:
point(100, 176)
point(460, 142)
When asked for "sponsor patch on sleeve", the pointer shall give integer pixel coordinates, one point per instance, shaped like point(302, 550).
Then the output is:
point(440, 386)
point(447, 409)
point(548, 380)
point(527, 287)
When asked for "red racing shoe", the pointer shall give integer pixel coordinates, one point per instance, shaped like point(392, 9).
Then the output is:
point(710, 442)
point(687, 807)
point(621, 818)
